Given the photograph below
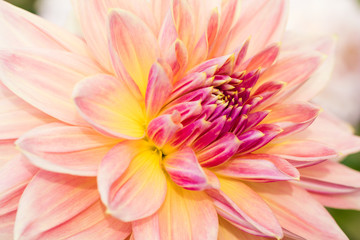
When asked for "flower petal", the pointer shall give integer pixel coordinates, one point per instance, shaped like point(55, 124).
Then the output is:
point(20, 72)
point(293, 69)
point(17, 116)
point(298, 212)
point(187, 135)
point(329, 177)
point(343, 201)
point(219, 151)
point(240, 205)
point(333, 132)
point(213, 26)
point(327, 48)
point(131, 182)
point(32, 31)
point(7, 226)
point(93, 15)
point(163, 128)
point(56, 193)
point(292, 117)
point(158, 90)
point(227, 231)
point(264, 21)
point(187, 110)
point(177, 58)
point(184, 22)
point(134, 44)
point(8, 151)
point(297, 150)
point(263, 59)
point(14, 177)
point(200, 53)
point(258, 167)
point(184, 215)
point(107, 104)
point(230, 12)
point(184, 169)
point(160, 8)
point(65, 149)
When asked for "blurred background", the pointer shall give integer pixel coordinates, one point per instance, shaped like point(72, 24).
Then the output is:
point(340, 18)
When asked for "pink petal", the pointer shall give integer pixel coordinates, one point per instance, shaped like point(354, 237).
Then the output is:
point(14, 177)
point(184, 169)
point(107, 104)
point(240, 205)
point(249, 140)
point(241, 54)
point(264, 21)
point(32, 31)
point(7, 222)
point(267, 91)
point(202, 11)
point(163, 128)
point(257, 138)
point(292, 117)
point(327, 49)
point(301, 150)
point(65, 149)
point(187, 110)
point(201, 53)
point(27, 74)
point(17, 116)
point(211, 66)
point(93, 15)
point(293, 69)
point(329, 177)
point(8, 151)
point(343, 201)
point(230, 12)
point(187, 135)
point(263, 59)
point(177, 58)
point(184, 215)
point(134, 44)
point(131, 182)
point(184, 22)
point(160, 9)
point(219, 151)
point(158, 90)
point(210, 135)
point(73, 209)
point(227, 231)
point(213, 26)
point(333, 132)
point(298, 212)
point(186, 85)
point(297, 150)
point(168, 35)
point(258, 167)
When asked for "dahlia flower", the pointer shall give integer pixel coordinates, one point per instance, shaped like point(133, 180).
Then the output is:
point(166, 119)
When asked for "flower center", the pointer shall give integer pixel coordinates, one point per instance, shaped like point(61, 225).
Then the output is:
point(232, 97)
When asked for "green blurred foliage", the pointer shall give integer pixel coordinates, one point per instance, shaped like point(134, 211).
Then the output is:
point(348, 220)
point(25, 4)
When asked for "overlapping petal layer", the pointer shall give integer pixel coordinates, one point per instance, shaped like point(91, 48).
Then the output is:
point(108, 106)
point(44, 211)
point(131, 182)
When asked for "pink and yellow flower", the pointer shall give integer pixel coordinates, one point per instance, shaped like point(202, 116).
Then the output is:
point(176, 119)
